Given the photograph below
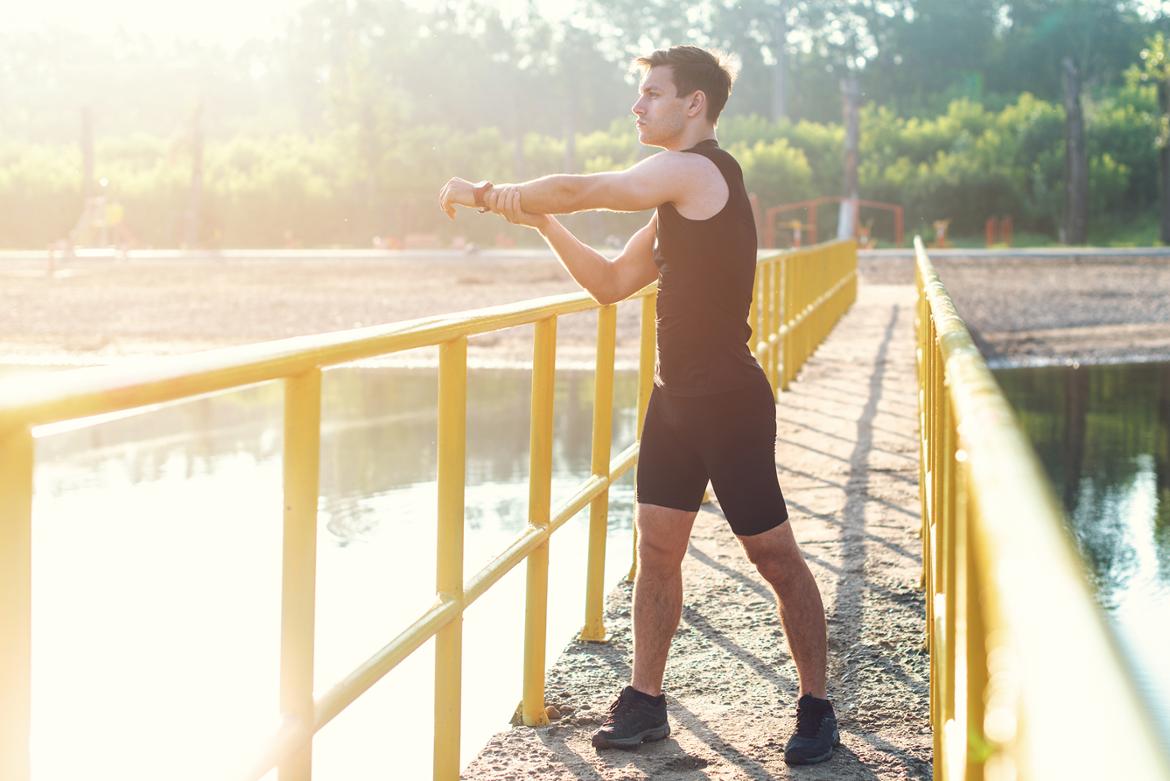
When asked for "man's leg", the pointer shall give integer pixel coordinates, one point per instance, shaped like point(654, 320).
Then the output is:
point(777, 557)
point(663, 533)
point(639, 713)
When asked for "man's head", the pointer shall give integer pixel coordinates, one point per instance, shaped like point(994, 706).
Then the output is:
point(682, 86)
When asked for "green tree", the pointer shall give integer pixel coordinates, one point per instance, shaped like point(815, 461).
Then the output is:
point(1155, 70)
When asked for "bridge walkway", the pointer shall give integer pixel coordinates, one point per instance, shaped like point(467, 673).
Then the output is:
point(848, 463)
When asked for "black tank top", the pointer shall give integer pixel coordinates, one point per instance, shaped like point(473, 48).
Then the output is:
point(706, 269)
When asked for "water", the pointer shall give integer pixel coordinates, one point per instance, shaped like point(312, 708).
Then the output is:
point(1103, 435)
point(156, 580)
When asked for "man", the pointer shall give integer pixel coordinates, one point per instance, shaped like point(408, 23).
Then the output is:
point(711, 414)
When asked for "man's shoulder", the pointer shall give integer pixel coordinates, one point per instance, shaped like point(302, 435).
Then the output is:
point(681, 165)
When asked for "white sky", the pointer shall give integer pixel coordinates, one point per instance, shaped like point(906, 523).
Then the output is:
point(230, 22)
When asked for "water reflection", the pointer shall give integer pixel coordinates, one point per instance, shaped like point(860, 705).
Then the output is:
point(157, 538)
point(1103, 435)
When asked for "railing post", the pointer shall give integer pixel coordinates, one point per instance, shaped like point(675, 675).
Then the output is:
point(788, 302)
point(449, 564)
point(975, 649)
point(602, 441)
point(302, 448)
point(544, 356)
point(754, 308)
point(16, 490)
point(775, 323)
point(646, 361)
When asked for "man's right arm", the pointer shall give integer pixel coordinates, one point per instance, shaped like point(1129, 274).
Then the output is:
point(607, 281)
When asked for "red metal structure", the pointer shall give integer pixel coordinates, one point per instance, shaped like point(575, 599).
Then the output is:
point(809, 229)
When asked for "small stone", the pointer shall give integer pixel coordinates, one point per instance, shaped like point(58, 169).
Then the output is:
point(552, 712)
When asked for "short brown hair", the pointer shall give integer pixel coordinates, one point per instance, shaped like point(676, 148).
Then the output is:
point(693, 69)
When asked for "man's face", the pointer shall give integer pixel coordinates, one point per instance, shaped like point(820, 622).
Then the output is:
point(660, 111)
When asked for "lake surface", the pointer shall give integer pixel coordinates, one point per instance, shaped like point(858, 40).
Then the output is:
point(156, 571)
point(1103, 435)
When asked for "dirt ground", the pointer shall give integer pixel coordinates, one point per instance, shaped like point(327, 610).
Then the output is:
point(1037, 311)
point(104, 311)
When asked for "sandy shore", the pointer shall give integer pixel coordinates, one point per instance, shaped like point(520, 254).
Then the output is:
point(1035, 310)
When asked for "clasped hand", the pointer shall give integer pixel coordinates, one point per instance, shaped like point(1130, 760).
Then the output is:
point(503, 200)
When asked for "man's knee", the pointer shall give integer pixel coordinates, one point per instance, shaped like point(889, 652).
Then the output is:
point(659, 555)
point(776, 555)
point(663, 535)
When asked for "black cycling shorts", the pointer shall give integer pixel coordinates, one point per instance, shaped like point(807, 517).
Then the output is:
point(728, 438)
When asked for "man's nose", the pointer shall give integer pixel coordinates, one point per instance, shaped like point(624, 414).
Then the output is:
point(637, 108)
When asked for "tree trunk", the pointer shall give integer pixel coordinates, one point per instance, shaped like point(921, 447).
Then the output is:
point(1164, 159)
point(1076, 159)
point(570, 118)
point(86, 153)
point(780, 68)
point(192, 230)
point(851, 98)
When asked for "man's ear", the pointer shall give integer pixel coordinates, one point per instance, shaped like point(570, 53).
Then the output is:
point(698, 103)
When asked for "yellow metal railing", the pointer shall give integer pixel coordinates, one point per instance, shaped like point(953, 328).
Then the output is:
point(1026, 681)
point(798, 296)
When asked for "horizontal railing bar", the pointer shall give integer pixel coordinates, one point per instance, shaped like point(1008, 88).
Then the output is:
point(808, 310)
point(284, 742)
point(623, 461)
point(501, 565)
point(99, 390)
point(371, 671)
point(590, 490)
point(530, 539)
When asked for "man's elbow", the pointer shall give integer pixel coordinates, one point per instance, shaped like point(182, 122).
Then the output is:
point(604, 297)
point(606, 294)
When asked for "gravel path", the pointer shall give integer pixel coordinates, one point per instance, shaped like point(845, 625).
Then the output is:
point(847, 460)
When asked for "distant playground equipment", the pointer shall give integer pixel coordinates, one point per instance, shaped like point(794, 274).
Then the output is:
point(101, 225)
point(998, 231)
point(940, 234)
point(805, 231)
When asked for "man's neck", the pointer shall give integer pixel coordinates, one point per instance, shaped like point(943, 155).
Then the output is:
point(689, 137)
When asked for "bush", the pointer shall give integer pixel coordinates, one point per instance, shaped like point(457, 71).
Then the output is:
point(347, 186)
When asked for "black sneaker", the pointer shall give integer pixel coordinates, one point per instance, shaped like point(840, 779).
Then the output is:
point(633, 718)
point(816, 732)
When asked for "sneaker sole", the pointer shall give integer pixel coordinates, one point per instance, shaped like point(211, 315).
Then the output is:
point(645, 736)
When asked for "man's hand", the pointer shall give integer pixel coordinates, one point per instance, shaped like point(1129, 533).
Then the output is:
point(505, 201)
point(456, 192)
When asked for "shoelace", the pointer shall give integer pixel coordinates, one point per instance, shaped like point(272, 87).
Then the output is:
point(622, 702)
point(808, 722)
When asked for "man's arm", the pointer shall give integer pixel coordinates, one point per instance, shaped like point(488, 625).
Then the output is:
point(666, 177)
point(607, 281)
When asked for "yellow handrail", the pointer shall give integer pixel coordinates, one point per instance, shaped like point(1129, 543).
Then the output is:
point(1026, 679)
point(798, 296)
